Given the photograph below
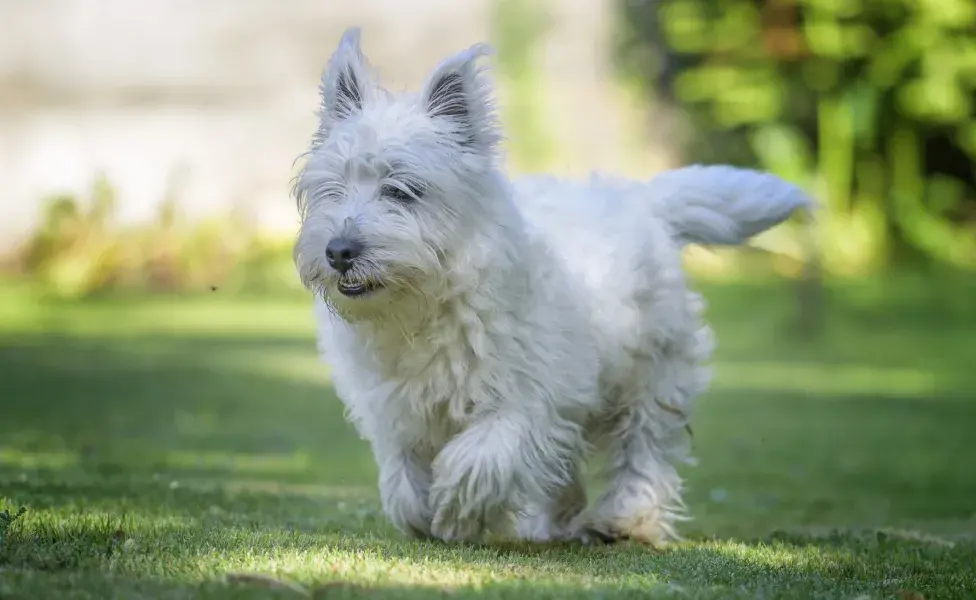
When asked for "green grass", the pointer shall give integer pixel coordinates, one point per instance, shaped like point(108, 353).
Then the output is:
point(180, 447)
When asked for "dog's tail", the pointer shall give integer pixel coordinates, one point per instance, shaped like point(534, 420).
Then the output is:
point(723, 205)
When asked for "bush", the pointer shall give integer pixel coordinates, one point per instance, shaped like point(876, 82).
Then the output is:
point(869, 103)
point(79, 249)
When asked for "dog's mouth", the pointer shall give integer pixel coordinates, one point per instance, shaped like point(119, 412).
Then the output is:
point(355, 289)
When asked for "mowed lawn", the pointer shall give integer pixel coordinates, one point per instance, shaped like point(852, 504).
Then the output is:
point(193, 447)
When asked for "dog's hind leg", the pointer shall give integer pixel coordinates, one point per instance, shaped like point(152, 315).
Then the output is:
point(649, 439)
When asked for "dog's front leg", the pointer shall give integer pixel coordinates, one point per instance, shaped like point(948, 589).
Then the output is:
point(474, 477)
point(500, 462)
point(404, 488)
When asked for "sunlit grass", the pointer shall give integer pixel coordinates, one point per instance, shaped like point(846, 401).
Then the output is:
point(200, 552)
point(173, 448)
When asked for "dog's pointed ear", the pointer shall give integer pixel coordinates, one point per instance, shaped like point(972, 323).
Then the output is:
point(345, 83)
point(460, 93)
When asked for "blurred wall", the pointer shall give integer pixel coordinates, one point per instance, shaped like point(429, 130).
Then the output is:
point(212, 101)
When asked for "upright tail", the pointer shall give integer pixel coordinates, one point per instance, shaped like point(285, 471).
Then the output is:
point(723, 205)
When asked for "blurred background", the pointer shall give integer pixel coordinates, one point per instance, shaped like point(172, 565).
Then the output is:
point(150, 311)
point(173, 129)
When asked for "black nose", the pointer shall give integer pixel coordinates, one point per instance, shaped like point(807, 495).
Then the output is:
point(342, 252)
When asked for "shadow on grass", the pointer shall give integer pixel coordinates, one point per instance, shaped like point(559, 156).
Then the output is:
point(104, 418)
point(210, 406)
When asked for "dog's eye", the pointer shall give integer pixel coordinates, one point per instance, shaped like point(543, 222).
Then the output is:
point(400, 194)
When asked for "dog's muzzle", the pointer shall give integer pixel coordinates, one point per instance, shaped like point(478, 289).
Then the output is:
point(355, 288)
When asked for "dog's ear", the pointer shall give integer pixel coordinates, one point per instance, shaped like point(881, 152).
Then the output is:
point(459, 92)
point(345, 83)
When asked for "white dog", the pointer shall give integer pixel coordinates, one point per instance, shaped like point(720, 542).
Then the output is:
point(485, 335)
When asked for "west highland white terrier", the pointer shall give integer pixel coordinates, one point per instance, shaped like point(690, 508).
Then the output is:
point(486, 335)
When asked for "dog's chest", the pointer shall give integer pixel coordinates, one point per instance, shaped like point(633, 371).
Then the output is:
point(425, 386)
point(438, 381)
point(419, 410)
point(428, 389)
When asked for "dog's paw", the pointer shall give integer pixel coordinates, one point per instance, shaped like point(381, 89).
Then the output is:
point(405, 503)
point(594, 536)
point(457, 520)
point(598, 533)
point(415, 524)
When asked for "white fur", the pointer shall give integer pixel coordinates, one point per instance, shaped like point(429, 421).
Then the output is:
point(520, 325)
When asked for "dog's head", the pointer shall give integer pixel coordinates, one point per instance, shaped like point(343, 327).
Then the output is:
point(392, 184)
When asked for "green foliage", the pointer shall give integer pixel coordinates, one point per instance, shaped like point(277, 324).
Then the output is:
point(870, 103)
point(79, 248)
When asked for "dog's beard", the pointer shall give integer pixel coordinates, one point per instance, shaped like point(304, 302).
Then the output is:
point(369, 291)
point(365, 279)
